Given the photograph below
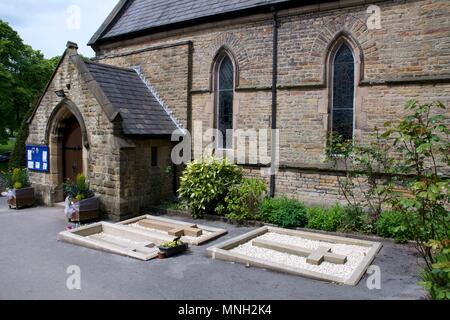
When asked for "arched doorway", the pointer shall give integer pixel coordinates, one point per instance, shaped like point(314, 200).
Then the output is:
point(72, 147)
point(66, 135)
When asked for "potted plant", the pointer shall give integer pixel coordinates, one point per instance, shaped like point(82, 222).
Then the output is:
point(19, 191)
point(172, 248)
point(81, 203)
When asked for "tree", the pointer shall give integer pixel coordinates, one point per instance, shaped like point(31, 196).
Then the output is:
point(24, 73)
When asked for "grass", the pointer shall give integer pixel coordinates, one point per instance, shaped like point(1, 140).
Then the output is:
point(4, 148)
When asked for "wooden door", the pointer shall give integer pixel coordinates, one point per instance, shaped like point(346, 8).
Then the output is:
point(72, 149)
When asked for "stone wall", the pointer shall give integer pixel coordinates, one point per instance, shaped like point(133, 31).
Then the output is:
point(101, 158)
point(409, 57)
point(142, 184)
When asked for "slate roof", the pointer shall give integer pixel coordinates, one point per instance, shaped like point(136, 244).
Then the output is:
point(141, 112)
point(132, 16)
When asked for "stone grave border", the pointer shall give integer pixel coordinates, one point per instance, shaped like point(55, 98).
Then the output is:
point(215, 232)
point(221, 252)
point(79, 237)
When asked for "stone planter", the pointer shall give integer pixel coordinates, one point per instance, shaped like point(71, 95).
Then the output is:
point(86, 210)
point(21, 198)
point(169, 252)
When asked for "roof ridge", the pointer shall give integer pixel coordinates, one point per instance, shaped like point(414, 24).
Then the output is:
point(154, 93)
point(177, 14)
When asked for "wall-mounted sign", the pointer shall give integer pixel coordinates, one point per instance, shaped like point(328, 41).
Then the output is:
point(38, 158)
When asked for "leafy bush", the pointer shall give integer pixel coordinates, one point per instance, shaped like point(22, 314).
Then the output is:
point(5, 180)
point(368, 182)
point(172, 244)
point(78, 189)
point(392, 224)
point(15, 179)
point(18, 154)
point(437, 280)
point(421, 141)
point(355, 219)
point(244, 200)
point(325, 219)
point(284, 212)
point(205, 184)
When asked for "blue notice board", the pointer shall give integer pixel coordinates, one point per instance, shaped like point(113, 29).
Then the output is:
point(38, 158)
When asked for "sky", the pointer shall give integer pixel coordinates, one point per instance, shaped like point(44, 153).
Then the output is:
point(47, 25)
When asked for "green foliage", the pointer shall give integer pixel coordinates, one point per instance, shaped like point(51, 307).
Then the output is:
point(393, 224)
point(355, 219)
point(14, 179)
point(171, 244)
point(422, 141)
point(18, 154)
point(368, 182)
point(338, 147)
point(24, 73)
point(244, 200)
point(78, 189)
point(326, 219)
point(285, 212)
point(205, 184)
point(173, 205)
point(437, 280)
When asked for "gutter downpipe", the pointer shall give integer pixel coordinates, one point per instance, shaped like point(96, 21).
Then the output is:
point(274, 102)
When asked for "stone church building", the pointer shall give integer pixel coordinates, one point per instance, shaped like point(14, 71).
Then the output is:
point(306, 68)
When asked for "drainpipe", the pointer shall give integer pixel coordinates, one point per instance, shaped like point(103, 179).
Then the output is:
point(274, 100)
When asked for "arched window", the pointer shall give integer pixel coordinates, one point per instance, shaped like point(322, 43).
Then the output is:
point(224, 100)
point(343, 84)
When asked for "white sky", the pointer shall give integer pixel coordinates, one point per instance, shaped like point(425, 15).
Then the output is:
point(47, 25)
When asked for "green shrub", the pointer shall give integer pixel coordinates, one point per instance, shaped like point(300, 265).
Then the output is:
point(18, 154)
point(244, 200)
point(205, 184)
point(393, 225)
point(325, 219)
point(437, 280)
point(78, 189)
point(284, 212)
point(355, 219)
point(172, 244)
point(14, 179)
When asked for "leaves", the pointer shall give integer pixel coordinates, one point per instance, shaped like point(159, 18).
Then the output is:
point(244, 200)
point(24, 73)
point(205, 184)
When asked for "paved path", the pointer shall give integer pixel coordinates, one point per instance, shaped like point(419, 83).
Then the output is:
point(33, 265)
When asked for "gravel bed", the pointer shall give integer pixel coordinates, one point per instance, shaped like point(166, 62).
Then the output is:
point(355, 254)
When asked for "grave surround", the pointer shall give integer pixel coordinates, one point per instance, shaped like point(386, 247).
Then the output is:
point(223, 251)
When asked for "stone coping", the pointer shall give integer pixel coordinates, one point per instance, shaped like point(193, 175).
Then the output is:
point(83, 237)
point(222, 252)
point(213, 233)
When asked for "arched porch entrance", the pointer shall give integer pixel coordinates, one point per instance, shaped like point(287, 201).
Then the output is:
point(67, 140)
point(72, 147)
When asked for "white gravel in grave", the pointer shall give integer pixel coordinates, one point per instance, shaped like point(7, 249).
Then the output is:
point(138, 226)
point(355, 254)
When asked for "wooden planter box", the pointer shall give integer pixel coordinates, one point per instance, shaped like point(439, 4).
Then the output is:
point(24, 198)
point(169, 252)
point(89, 210)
